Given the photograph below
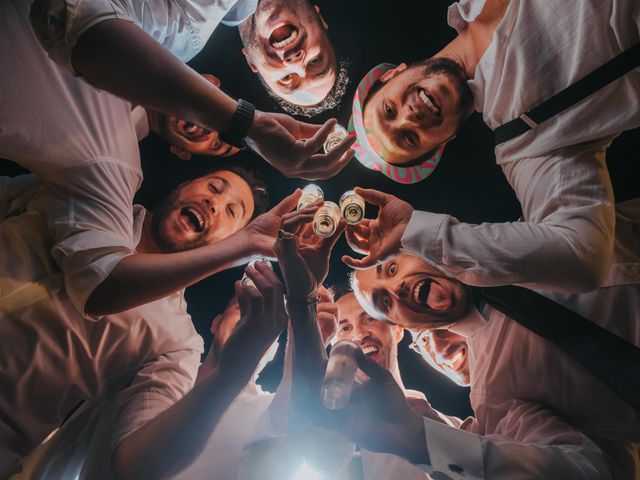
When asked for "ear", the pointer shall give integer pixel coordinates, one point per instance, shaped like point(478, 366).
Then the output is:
point(322, 20)
point(248, 59)
point(214, 324)
point(388, 75)
point(398, 334)
point(213, 79)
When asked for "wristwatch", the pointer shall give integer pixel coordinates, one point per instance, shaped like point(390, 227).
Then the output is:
point(240, 124)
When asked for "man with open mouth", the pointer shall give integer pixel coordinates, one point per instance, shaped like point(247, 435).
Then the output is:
point(505, 62)
point(538, 409)
point(141, 355)
point(286, 44)
point(446, 352)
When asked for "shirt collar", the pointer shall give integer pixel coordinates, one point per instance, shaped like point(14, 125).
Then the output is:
point(472, 322)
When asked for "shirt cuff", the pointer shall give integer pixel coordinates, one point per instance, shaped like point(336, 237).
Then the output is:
point(421, 235)
point(452, 452)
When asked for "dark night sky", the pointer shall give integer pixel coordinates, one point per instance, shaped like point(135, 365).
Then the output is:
point(467, 184)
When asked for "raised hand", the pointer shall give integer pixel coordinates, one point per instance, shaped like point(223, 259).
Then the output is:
point(328, 314)
point(291, 146)
point(304, 258)
point(260, 234)
point(378, 416)
point(380, 238)
point(262, 318)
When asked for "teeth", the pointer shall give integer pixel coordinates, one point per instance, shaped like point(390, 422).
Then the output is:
point(417, 292)
point(199, 218)
point(426, 99)
point(369, 350)
point(287, 41)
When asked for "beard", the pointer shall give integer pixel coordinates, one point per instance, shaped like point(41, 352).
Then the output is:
point(166, 242)
point(450, 69)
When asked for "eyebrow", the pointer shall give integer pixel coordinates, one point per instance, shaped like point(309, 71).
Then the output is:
point(227, 185)
point(378, 270)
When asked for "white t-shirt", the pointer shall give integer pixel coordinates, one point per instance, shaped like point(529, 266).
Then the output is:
point(182, 27)
point(143, 360)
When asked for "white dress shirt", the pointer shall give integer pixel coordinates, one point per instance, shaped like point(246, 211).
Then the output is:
point(557, 169)
point(534, 405)
point(183, 27)
point(143, 360)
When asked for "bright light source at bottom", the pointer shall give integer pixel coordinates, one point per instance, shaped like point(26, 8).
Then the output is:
point(305, 472)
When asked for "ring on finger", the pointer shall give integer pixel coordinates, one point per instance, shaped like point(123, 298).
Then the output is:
point(284, 235)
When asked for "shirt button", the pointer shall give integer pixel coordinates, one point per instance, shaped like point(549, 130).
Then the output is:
point(456, 469)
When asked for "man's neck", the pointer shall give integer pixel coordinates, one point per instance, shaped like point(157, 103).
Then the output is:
point(146, 243)
point(470, 44)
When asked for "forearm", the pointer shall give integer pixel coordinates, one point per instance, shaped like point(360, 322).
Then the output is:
point(308, 349)
point(119, 57)
point(572, 256)
point(172, 440)
point(145, 277)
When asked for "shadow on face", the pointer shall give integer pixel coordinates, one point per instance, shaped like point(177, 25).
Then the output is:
point(416, 109)
point(377, 339)
point(446, 352)
point(202, 211)
point(187, 138)
point(410, 292)
point(286, 44)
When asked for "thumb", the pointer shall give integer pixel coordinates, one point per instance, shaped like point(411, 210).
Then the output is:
point(287, 204)
point(373, 370)
point(359, 264)
point(308, 130)
point(314, 143)
point(374, 197)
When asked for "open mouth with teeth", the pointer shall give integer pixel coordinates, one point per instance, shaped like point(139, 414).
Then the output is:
point(193, 219)
point(284, 37)
point(456, 360)
point(429, 101)
point(194, 133)
point(428, 294)
point(371, 351)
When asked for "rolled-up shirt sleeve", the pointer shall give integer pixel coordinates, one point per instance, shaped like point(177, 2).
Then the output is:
point(181, 27)
point(92, 224)
point(159, 385)
point(565, 242)
point(529, 442)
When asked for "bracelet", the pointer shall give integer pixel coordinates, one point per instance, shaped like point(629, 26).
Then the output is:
point(240, 124)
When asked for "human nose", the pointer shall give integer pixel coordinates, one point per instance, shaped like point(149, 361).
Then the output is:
point(402, 290)
point(212, 203)
point(294, 56)
point(410, 116)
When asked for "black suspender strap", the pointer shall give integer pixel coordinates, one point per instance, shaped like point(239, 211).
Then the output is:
point(592, 82)
point(612, 359)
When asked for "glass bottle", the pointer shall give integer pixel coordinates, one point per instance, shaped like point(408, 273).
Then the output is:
point(326, 219)
point(352, 207)
point(334, 138)
point(339, 375)
point(310, 194)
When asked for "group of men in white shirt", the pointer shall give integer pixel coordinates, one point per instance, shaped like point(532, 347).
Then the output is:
point(91, 296)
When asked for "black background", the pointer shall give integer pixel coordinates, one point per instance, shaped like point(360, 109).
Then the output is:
point(467, 184)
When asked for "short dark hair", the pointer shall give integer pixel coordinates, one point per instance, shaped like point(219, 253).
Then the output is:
point(331, 101)
point(203, 167)
point(340, 289)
